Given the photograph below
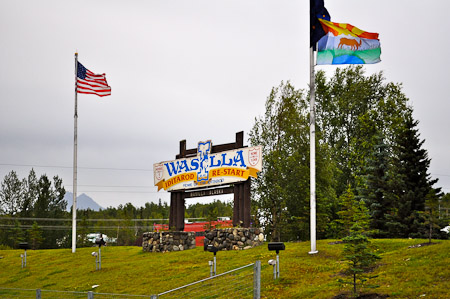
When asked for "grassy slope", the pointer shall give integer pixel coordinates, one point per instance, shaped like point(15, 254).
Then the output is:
point(403, 272)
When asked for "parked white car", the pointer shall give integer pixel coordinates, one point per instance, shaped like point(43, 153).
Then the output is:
point(92, 236)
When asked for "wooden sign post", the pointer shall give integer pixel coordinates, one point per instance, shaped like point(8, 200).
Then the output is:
point(241, 190)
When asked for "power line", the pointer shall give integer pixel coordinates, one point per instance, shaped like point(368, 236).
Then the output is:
point(119, 191)
point(67, 227)
point(112, 186)
point(116, 191)
point(70, 219)
point(80, 167)
point(93, 220)
point(438, 174)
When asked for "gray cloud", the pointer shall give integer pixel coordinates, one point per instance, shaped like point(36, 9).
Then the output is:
point(192, 70)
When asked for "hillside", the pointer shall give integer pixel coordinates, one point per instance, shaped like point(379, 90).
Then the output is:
point(403, 272)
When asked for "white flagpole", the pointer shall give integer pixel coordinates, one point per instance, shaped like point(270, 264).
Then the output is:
point(75, 143)
point(312, 154)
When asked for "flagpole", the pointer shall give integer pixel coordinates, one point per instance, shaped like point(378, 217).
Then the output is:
point(75, 144)
point(312, 152)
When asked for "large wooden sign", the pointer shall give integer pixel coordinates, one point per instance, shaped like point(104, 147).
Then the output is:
point(206, 169)
point(210, 170)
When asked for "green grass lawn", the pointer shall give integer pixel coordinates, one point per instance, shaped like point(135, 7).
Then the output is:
point(403, 272)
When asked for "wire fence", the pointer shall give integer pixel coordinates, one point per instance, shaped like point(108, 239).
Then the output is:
point(54, 294)
point(242, 282)
point(38, 294)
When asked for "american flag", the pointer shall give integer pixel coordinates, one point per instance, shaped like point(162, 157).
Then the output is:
point(90, 83)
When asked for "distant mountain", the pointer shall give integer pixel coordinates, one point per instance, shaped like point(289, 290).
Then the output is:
point(84, 202)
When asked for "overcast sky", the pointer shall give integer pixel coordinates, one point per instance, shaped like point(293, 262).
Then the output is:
point(194, 70)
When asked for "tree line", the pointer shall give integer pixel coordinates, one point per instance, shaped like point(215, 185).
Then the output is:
point(31, 198)
point(369, 155)
point(34, 210)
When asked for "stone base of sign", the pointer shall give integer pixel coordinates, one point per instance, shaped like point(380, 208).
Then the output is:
point(234, 238)
point(168, 241)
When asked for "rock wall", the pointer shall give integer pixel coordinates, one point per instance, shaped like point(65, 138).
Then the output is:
point(168, 241)
point(234, 238)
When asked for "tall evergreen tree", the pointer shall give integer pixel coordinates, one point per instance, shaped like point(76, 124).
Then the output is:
point(413, 182)
point(376, 186)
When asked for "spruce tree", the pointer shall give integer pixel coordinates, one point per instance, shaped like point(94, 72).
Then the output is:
point(376, 187)
point(361, 258)
point(431, 215)
point(413, 182)
point(358, 252)
point(347, 212)
point(35, 236)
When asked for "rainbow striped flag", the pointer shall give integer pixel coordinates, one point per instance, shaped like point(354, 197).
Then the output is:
point(346, 44)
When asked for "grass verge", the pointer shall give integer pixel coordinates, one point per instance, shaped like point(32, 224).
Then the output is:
point(403, 272)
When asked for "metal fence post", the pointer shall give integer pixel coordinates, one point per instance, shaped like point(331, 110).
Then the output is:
point(90, 295)
point(278, 266)
point(257, 280)
point(38, 294)
point(99, 258)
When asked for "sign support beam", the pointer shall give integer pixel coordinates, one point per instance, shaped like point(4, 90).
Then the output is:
point(241, 190)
